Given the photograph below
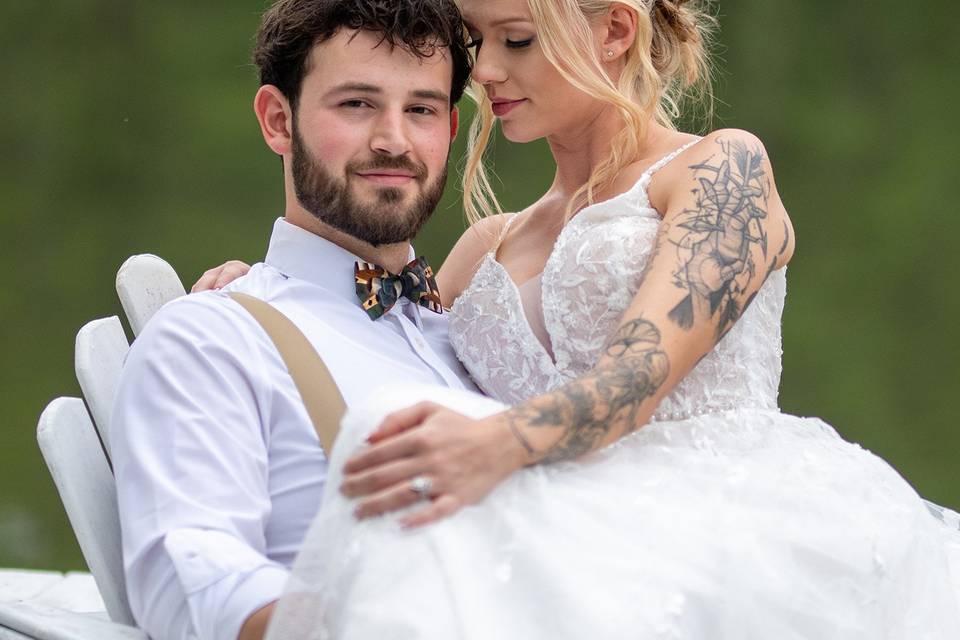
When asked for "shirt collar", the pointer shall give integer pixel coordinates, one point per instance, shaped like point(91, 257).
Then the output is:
point(301, 254)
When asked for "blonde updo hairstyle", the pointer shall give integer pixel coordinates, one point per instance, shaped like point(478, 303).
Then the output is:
point(666, 66)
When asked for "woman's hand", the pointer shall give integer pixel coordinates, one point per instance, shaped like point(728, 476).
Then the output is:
point(221, 276)
point(461, 459)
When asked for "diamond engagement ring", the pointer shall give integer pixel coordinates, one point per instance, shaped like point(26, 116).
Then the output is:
point(422, 486)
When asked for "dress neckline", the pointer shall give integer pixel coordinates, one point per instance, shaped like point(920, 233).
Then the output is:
point(640, 185)
point(491, 256)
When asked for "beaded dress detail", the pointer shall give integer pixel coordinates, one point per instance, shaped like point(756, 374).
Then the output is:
point(723, 519)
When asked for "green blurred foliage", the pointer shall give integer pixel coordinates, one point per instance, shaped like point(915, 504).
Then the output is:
point(126, 128)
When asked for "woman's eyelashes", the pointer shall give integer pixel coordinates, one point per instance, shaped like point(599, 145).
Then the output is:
point(519, 44)
point(476, 43)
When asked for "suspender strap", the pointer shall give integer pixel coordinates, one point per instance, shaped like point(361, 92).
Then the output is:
point(319, 392)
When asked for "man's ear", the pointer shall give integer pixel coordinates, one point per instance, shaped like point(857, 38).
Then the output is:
point(454, 123)
point(275, 117)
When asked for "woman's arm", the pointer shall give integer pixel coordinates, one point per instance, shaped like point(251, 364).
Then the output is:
point(724, 231)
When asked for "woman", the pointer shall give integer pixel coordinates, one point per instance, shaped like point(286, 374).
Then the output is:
point(636, 304)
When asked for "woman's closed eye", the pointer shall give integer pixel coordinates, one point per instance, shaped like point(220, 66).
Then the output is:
point(519, 44)
point(476, 43)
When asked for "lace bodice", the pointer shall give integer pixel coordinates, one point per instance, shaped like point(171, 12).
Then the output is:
point(588, 281)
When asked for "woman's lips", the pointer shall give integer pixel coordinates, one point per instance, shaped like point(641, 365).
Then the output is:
point(501, 109)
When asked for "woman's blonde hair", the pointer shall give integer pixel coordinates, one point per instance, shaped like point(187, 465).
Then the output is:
point(666, 65)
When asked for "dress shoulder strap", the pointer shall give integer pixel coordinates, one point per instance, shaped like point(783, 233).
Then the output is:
point(670, 157)
point(506, 225)
point(503, 233)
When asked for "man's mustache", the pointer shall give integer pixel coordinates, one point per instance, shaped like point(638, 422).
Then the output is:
point(396, 163)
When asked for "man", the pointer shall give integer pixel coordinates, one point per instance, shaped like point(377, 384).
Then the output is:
point(218, 468)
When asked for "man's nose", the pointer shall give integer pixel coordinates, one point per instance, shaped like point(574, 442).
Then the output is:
point(390, 135)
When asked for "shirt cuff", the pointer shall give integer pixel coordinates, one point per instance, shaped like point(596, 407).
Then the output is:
point(224, 579)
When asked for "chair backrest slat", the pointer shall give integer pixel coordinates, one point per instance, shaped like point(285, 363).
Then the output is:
point(68, 439)
point(100, 349)
point(145, 283)
point(83, 479)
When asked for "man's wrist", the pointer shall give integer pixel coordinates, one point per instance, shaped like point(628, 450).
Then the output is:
point(255, 627)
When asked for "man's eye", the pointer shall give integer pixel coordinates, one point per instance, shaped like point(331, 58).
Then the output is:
point(354, 104)
point(519, 44)
point(422, 111)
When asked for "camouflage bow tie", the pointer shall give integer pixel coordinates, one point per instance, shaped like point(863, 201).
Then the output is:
point(379, 290)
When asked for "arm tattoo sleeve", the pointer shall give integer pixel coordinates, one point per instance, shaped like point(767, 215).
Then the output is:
point(602, 402)
point(715, 262)
point(717, 258)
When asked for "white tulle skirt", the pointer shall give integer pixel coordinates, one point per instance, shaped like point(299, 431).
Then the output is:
point(738, 525)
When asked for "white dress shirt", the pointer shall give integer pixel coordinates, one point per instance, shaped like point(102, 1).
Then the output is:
point(219, 471)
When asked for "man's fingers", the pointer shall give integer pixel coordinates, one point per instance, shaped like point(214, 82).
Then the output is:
point(443, 507)
point(400, 421)
point(396, 497)
point(379, 478)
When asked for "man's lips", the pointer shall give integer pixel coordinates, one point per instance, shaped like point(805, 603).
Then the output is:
point(503, 107)
point(387, 178)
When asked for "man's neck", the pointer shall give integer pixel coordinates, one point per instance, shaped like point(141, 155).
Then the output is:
point(392, 257)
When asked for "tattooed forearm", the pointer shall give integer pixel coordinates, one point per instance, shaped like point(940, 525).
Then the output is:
point(715, 259)
point(582, 415)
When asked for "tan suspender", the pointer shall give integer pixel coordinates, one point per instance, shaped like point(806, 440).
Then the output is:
point(317, 389)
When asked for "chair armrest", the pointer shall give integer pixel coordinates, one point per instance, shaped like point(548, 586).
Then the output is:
point(42, 622)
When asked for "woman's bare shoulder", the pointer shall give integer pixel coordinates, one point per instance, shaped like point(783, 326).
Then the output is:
point(714, 144)
point(463, 260)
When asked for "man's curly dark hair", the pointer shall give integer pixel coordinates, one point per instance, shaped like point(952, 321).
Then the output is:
point(291, 28)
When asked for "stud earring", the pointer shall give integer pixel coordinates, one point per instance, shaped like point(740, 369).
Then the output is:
point(609, 53)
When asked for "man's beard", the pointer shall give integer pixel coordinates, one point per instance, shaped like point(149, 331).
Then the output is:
point(331, 201)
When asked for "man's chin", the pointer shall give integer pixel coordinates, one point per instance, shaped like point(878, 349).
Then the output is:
point(379, 197)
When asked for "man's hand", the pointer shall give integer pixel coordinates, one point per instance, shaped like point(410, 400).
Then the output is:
point(462, 459)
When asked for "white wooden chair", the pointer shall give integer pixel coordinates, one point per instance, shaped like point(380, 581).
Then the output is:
point(77, 449)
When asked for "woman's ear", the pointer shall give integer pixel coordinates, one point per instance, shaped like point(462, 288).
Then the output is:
point(275, 118)
point(619, 31)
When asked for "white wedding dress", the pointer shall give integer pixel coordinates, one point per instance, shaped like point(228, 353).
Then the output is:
point(723, 519)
